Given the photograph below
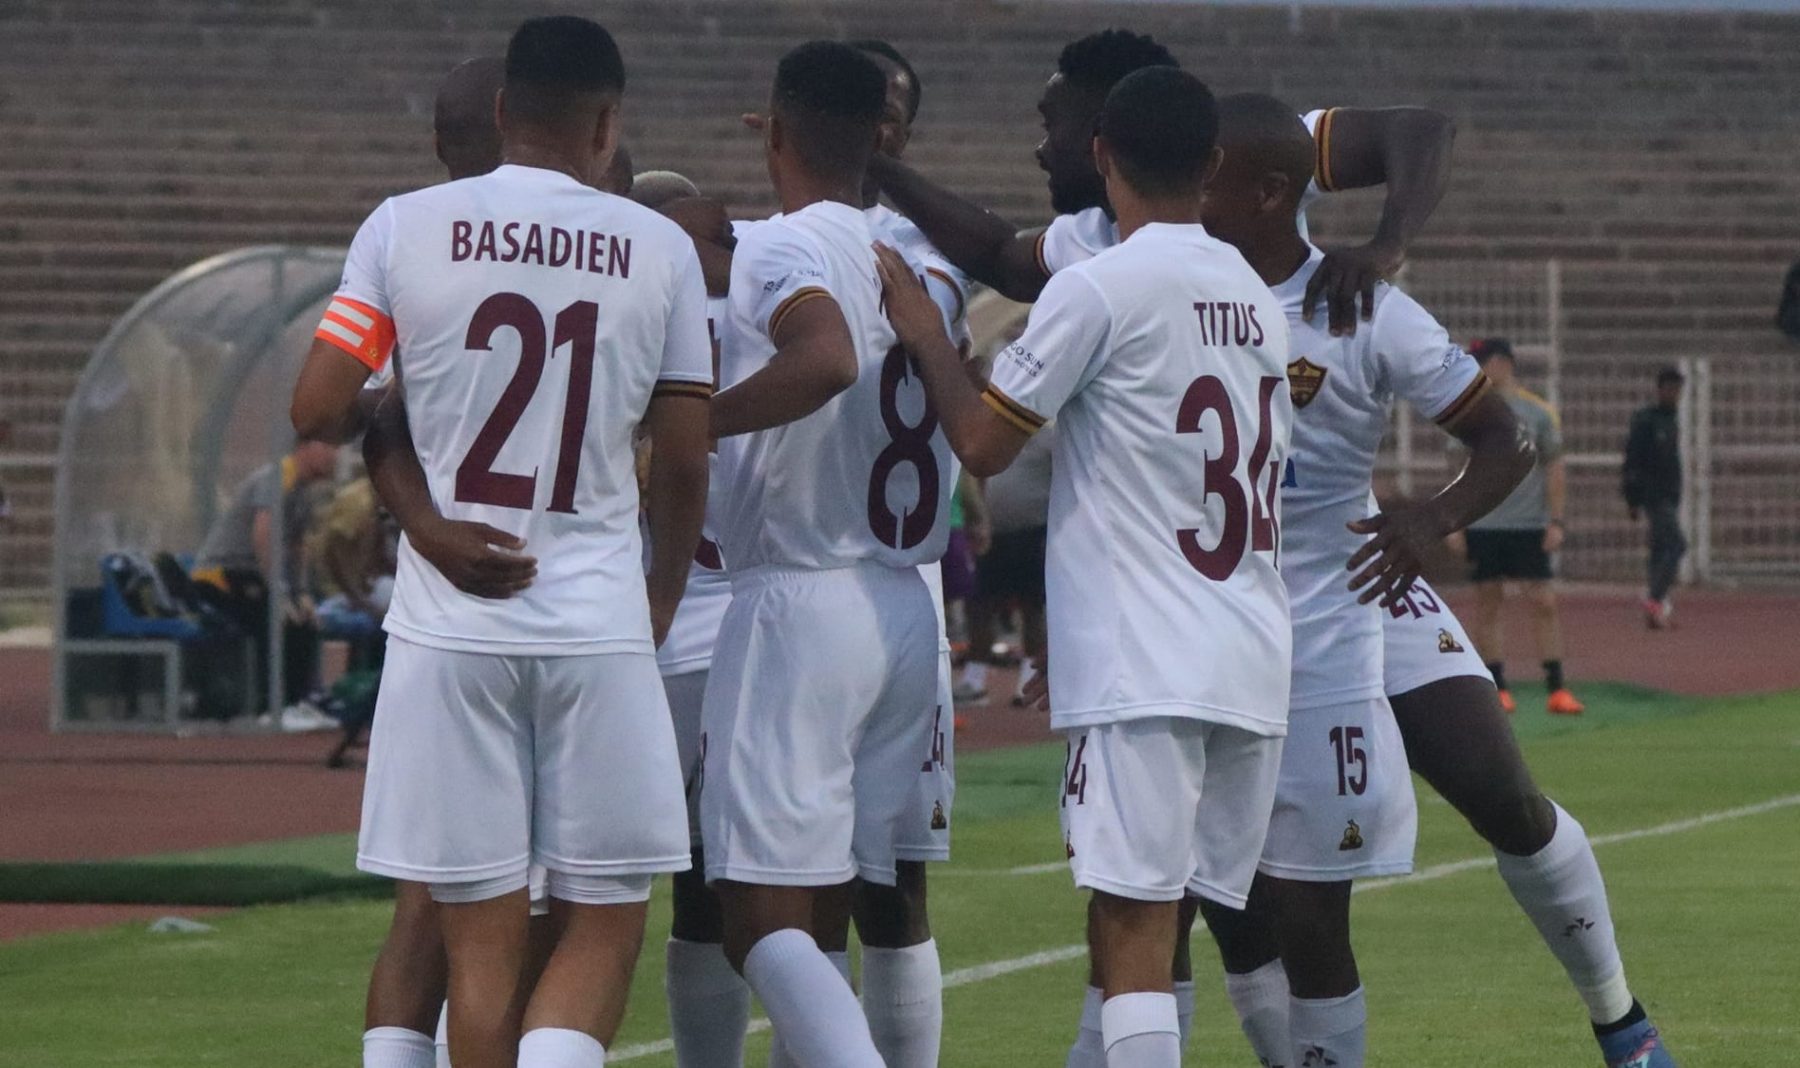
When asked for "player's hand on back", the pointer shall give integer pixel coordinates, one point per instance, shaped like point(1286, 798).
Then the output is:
point(909, 308)
point(1345, 283)
point(1390, 561)
point(479, 560)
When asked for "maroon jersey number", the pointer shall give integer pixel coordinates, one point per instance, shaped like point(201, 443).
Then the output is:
point(907, 444)
point(1249, 520)
point(1347, 741)
point(476, 480)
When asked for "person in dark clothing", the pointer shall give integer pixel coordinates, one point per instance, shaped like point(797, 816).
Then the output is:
point(1787, 313)
point(1652, 486)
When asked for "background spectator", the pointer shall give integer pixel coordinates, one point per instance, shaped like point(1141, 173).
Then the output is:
point(1652, 485)
point(1517, 540)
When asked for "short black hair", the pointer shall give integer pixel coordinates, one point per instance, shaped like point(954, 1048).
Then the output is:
point(1161, 124)
point(1100, 60)
point(553, 61)
point(877, 47)
point(830, 97)
point(1669, 374)
point(1487, 348)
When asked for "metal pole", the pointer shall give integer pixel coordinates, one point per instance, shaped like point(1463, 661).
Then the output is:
point(1553, 313)
point(1700, 402)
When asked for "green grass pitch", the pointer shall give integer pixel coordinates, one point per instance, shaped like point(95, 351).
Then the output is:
point(1456, 976)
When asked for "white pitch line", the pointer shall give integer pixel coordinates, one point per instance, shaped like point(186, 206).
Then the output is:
point(981, 973)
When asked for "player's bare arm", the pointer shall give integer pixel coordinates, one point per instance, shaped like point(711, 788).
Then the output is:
point(982, 244)
point(1556, 496)
point(478, 559)
point(1407, 149)
point(986, 443)
point(814, 361)
point(1500, 456)
point(329, 399)
point(675, 500)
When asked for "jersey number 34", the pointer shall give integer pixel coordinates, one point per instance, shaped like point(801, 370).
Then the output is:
point(1249, 520)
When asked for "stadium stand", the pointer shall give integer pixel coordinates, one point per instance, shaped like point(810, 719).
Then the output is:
point(1657, 155)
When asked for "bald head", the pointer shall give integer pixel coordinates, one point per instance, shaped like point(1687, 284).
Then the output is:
point(468, 142)
point(1254, 199)
point(1269, 138)
point(653, 189)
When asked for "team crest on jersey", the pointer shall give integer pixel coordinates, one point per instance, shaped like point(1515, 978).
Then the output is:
point(1304, 379)
point(939, 822)
point(1352, 838)
point(1447, 642)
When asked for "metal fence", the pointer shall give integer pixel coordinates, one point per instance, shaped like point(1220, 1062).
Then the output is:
point(1740, 430)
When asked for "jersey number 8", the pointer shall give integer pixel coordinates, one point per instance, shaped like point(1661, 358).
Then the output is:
point(907, 444)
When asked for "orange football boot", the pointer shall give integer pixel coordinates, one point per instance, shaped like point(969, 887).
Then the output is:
point(1507, 704)
point(1563, 703)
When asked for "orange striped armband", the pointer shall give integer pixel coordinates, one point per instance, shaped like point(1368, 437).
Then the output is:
point(1464, 403)
point(1022, 418)
point(1322, 152)
point(681, 387)
point(794, 300)
point(359, 329)
point(943, 276)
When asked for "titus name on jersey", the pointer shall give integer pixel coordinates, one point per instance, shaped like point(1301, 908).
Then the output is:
point(818, 709)
point(525, 382)
point(1345, 808)
point(1162, 360)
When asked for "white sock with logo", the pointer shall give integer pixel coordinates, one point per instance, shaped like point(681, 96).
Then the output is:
point(1329, 1030)
point(1141, 1031)
point(560, 1047)
point(903, 997)
point(1561, 890)
point(810, 1002)
point(1261, 1000)
point(396, 1047)
point(709, 1005)
point(1089, 1050)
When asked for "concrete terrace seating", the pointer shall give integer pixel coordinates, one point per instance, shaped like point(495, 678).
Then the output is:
point(1658, 154)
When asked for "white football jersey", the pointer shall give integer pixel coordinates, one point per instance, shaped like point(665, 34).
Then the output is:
point(537, 317)
point(1069, 239)
point(1162, 361)
point(1343, 389)
point(866, 478)
point(949, 289)
point(695, 629)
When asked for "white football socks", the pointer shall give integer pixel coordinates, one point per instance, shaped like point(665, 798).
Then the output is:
point(1089, 1050)
point(1141, 1031)
point(709, 1005)
point(1561, 890)
point(903, 997)
point(560, 1047)
point(810, 1002)
point(442, 1041)
point(1329, 1030)
point(1261, 1000)
point(1184, 1007)
point(397, 1047)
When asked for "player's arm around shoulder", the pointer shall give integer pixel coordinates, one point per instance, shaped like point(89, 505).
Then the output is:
point(1407, 149)
point(990, 249)
point(779, 285)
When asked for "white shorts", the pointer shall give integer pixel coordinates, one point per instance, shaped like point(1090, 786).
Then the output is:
point(817, 717)
point(686, 692)
point(1156, 808)
point(925, 828)
point(1424, 643)
point(1344, 808)
point(480, 766)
